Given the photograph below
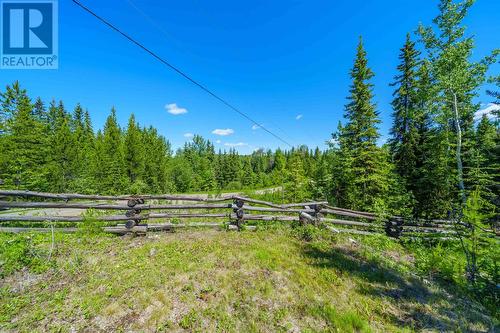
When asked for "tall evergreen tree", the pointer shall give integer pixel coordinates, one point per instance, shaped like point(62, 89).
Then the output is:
point(23, 147)
point(296, 181)
point(84, 135)
point(156, 161)
point(485, 172)
point(404, 141)
point(113, 163)
point(133, 151)
point(431, 185)
point(63, 154)
point(39, 111)
point(364, 166)
point(12, 97)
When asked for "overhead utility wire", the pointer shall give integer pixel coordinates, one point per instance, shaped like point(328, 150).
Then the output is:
point(88, 10)
point(170, 38)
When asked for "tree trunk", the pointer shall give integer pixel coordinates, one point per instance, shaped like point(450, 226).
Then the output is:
point(459, 150)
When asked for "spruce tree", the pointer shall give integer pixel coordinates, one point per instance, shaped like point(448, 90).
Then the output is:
point(39, 111)
point(296, 188)
point(364, 164)
point(113, 166)
point(485, 170)
point(23, 152)
point(63, 154)
point(405, 135)
point(430, 186)
point(133, 151)
point(247, 175)
point(156, 159)
point(10, 99)
point(97, 170)
point(86, 151)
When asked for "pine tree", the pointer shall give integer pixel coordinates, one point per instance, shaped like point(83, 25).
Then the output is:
point(134, 151)
point(39, 111)
point(156, 160)
point(296, 188)
point(322, 178)
point(485, 173)
point(405, 134)
point(365, 167)
point(23, 146)
point(430, 185)
point(97, 170)
point(84, 183)
point(78, 132)
point(247, 175)
point(63, 153)
point(11, 98)
point(113, 166)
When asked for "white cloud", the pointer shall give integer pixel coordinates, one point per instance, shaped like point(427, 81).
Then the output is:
point(255, 127)
point(218, 141)
point(188, 135)
point(223, 132)
point(488, 110)
point(174, 109)
point(299, 116)
point(238, 144)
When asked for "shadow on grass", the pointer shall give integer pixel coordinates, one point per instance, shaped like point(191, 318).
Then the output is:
point(409, 294)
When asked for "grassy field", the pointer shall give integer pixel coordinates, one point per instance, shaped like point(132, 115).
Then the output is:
point(275, 280)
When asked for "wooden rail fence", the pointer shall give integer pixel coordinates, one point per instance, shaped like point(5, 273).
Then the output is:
point(134, 214)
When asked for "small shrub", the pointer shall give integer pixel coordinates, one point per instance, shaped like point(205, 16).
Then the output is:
point(189, 320)
point(20, 251)
point(440, 261)
point(307, 233)
point(90, 224)
point(138, 187)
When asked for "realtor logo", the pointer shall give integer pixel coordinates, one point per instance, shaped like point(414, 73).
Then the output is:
point(28, 34)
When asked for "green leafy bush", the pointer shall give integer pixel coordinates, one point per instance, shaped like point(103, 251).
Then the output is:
point(90, 224)
point(20, 251)
point(307, 233)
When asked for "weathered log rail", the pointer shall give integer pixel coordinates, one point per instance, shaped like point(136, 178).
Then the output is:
point(133, 212)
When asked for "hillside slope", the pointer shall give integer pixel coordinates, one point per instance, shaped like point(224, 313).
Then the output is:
point(208, 281)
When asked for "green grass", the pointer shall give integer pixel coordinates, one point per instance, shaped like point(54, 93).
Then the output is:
point(276, 280)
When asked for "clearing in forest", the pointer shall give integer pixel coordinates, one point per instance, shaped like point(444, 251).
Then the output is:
point(279, 279)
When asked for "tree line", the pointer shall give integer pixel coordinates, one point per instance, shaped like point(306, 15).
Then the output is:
point(49, 148)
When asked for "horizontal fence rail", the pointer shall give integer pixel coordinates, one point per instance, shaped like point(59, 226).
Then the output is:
point(132, 212)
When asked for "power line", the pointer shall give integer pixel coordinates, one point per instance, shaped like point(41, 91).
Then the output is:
point(148, 18)
point(199, 85)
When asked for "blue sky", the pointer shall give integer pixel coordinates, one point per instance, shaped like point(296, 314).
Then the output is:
point(275, 60)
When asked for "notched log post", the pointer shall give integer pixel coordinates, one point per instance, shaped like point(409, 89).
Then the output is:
point(394, 228)
point(305, 218)
point(134, 214)
point(317, 213)
point(240, 214)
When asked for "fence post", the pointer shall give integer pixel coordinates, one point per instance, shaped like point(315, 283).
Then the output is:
point(133, 212)
point(239, 213)
point(394, 228)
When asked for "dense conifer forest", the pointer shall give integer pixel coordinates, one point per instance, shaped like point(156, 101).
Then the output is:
point(439, 152)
